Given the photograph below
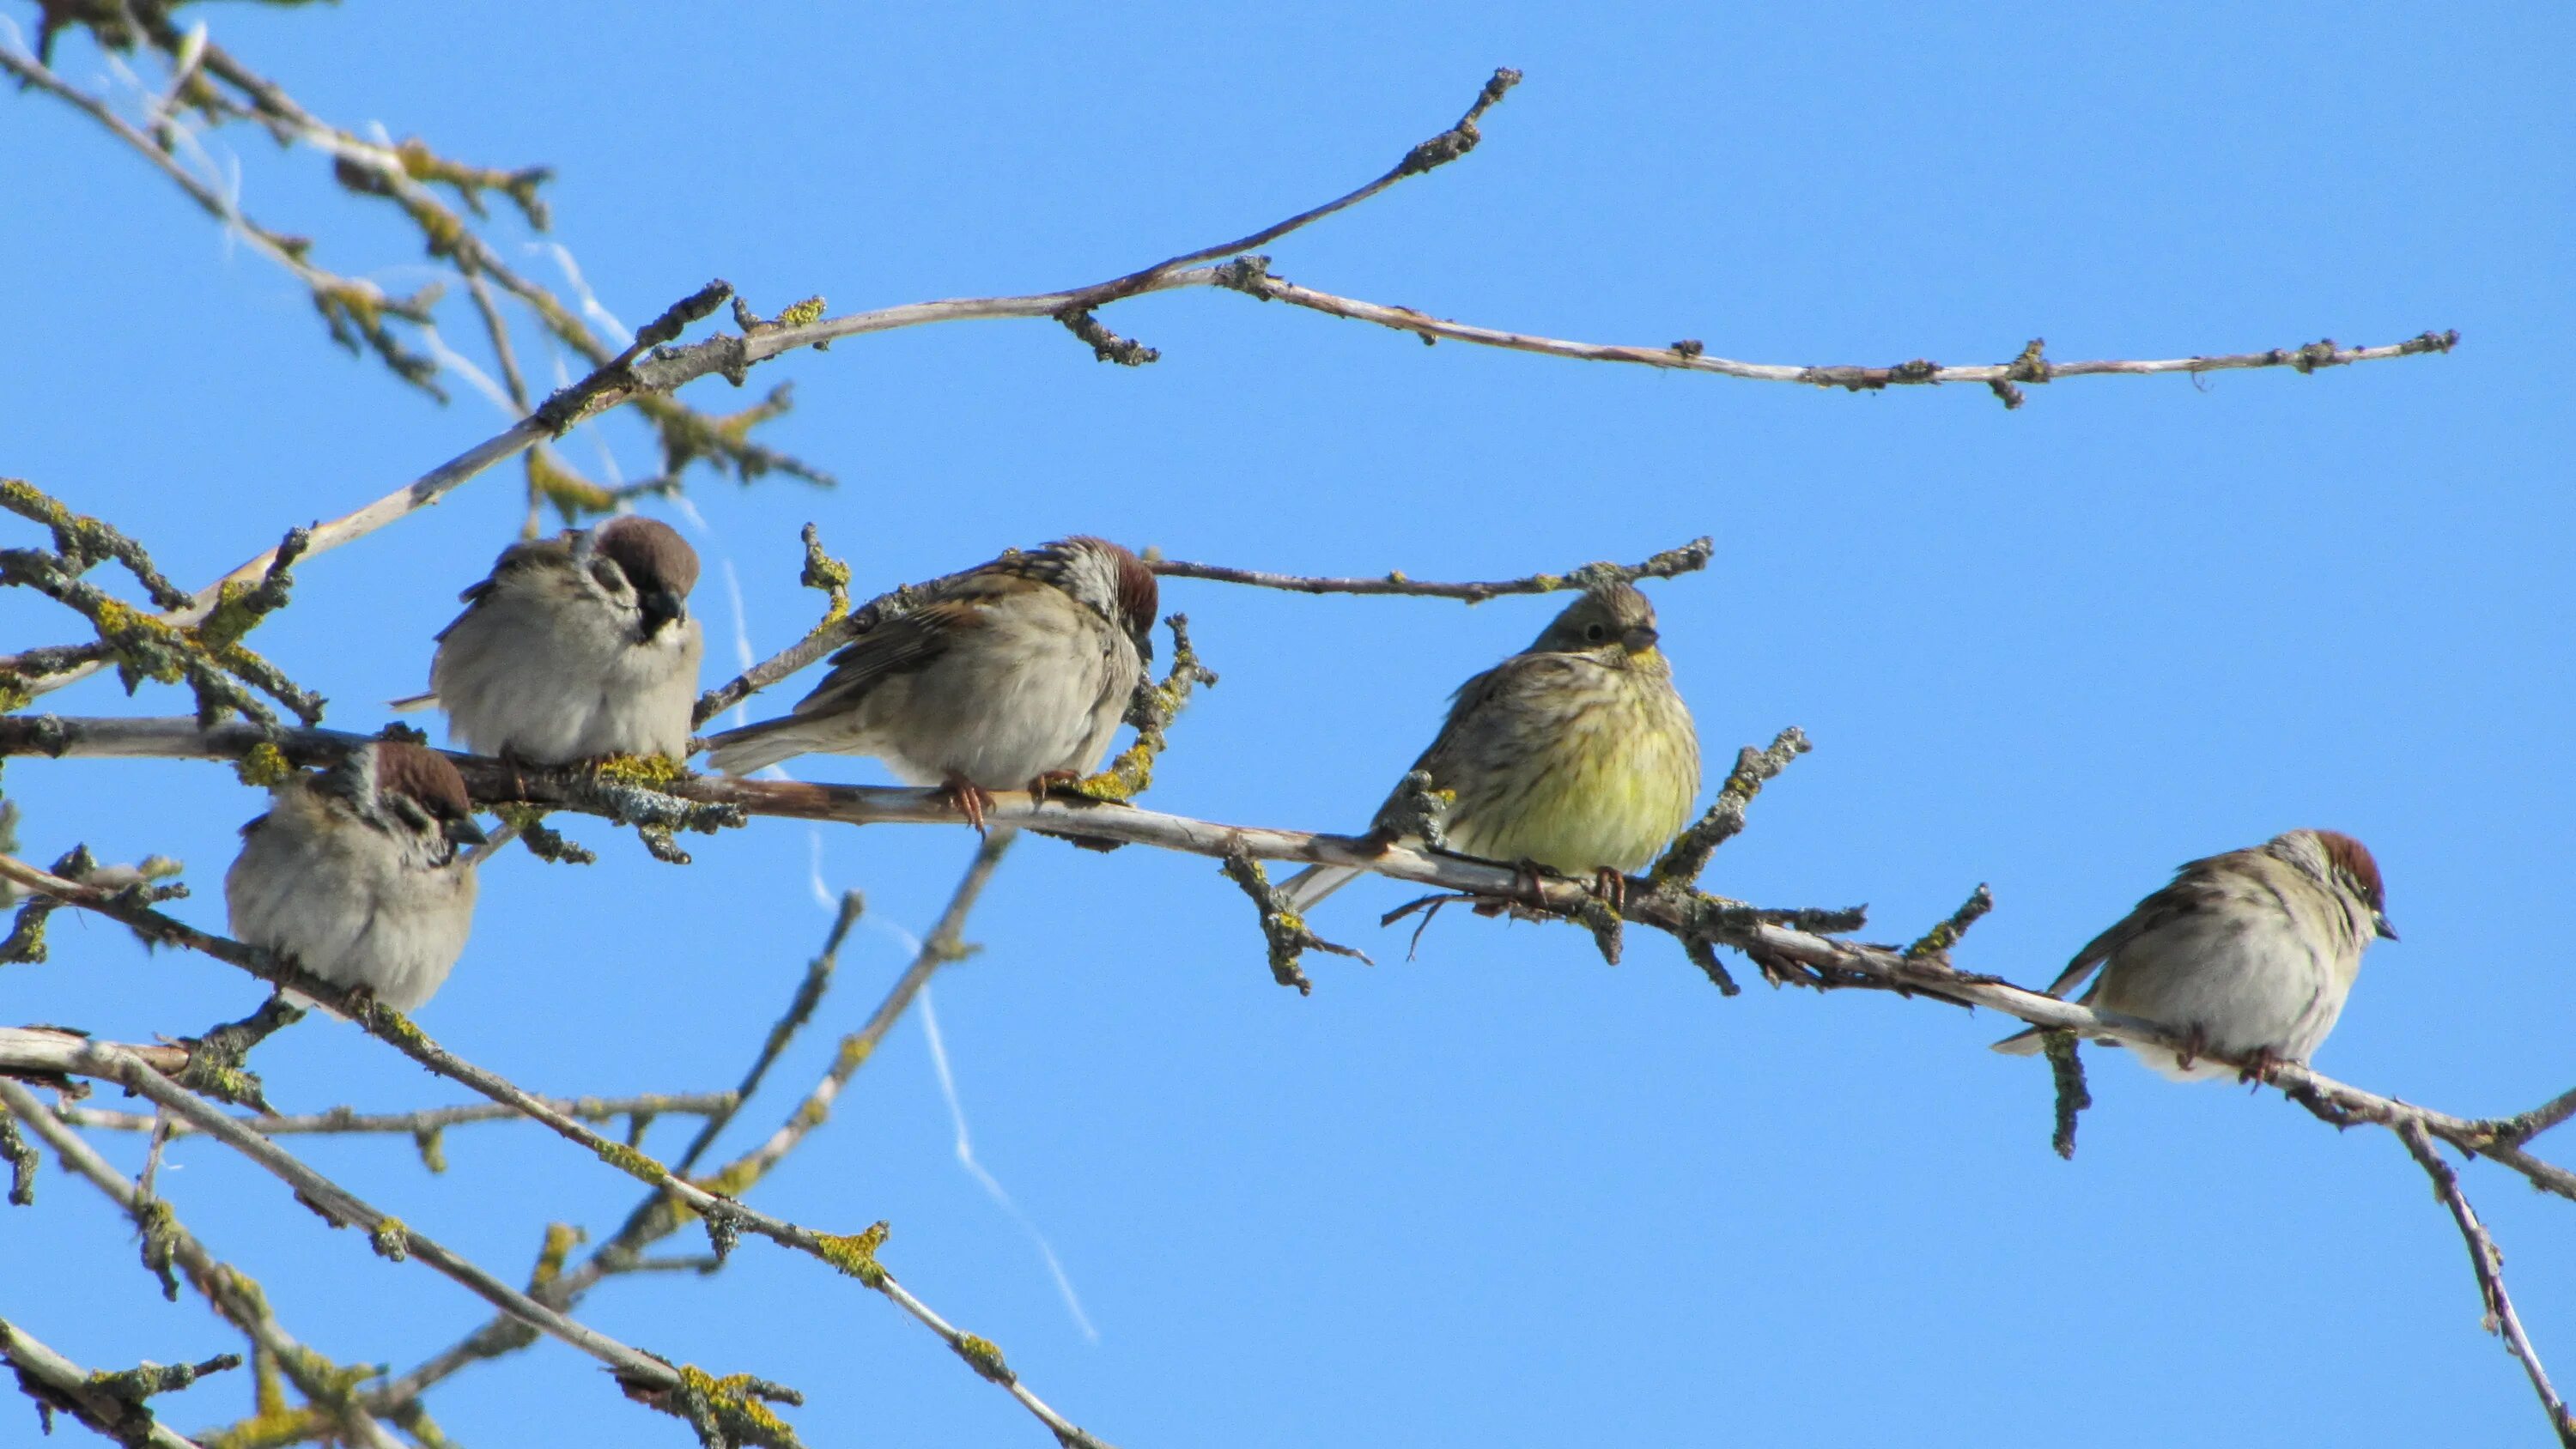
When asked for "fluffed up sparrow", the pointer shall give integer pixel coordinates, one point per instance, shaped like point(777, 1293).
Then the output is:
point(1012, 675)
point(2249, 954)
point(1576, 754)
point(576, 646)
point(354, 875)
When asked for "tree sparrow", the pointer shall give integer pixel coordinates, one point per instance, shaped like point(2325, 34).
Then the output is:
point(1011, 675)
point(1576, 754)
point(2249, 954)
point(575, 647)
point(353, 873)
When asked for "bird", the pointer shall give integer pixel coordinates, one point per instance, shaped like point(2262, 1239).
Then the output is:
point(575, 647)
point(1576, 755)
point(1012, 675)
point(2249, 955)
point(353, 873)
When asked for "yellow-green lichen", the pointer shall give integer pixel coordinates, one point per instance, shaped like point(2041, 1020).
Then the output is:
point(735, 1179)
point(633, 1163)
point(132, 633)
point(432, 1142)
point(812, 1115)
point(809, 310)
point(264, 768)
point(855, 1051)
point(650, 771)
point(230, 619)
point(985, 1357)
point(573, 496)
point(391, 1239)
point(855, 1253)
point(1127, 776)
point(270, 1428)
point(735, 1408)
point(159, 1226)
point(561, 1239)
point(395, 1027)
point(28, 501)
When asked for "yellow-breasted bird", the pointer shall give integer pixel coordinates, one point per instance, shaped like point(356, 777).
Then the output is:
point(1575, 754)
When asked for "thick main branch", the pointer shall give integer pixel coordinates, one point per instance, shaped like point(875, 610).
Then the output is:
point(1674, 907)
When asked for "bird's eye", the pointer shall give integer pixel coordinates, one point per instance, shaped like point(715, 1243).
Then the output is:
point(1595, 633)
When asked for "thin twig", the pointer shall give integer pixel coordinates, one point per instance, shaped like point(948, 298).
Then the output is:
point(1668, 564)
point(408, 1124)
point(2488, 1264)
point(653, 1219)
point(1255, 280)
point(233, 1295)
point(628, 378)
point(55, 1382)
point(2519, 1129)
point(345, 1209)
point(800, 1009)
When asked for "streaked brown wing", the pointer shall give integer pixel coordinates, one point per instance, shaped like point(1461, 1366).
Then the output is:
point(900, 645)
point(2195, 886)
point(517, 556)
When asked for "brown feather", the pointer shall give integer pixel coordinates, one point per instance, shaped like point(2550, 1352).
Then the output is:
point(651, 552)
point(2353, 858)
point(425, 775)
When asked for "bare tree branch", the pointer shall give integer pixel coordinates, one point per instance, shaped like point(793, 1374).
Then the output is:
point(1671, 563)
point(2488, 1264)
point(1676, 908)
point(655, 1218)
point(233, 1295)
point(112, 1404)
point(1251, 276)
point(852, 1254)
point(629, 377)
point(800, 1010)
point(409, 1124)
point(393, 1239)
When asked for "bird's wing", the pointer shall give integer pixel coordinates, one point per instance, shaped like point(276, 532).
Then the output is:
point(1480, 725)
point(2196, 886)
point(900, 645)
point(1469, 706)
point(514, 558)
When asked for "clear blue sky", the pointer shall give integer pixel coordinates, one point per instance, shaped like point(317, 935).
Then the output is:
point(1498, 1193)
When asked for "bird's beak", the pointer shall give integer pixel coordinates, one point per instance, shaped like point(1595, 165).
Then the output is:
point(2386, 931)
point(659, 607)
point(1640, 639)
point(1145, 646)
point(463, 831)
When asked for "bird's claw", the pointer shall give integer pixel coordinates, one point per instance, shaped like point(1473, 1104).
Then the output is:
point(1528, 876)
point(2260, 1066)
point(2195, 1043)
point(968, 799)
point(1611, 888)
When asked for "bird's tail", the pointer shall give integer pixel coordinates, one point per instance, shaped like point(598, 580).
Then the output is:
point(2020, 1044)
point(756, 746)
point(1301, 891)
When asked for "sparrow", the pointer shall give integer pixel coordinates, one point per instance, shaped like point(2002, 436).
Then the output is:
point(575, 647)
point(353, 873)
point(2248, 954)
point(1012, 675)
point(1576, 754)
